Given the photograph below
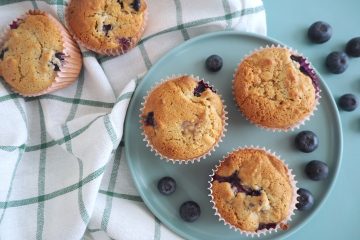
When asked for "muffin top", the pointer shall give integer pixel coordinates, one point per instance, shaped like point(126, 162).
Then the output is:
point(251, 190)
point(183, 118)
point(107, 26)
point(32, 54)
point(273, 90)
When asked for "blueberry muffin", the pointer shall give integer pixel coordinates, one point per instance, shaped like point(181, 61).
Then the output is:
point(183, 119)
point(275, 88)
point(253, 191)
point(38, 56)
point(108, 27)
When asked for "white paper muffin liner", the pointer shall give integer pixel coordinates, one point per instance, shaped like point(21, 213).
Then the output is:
point(181, 161)
point(293, 203)
point(109, 52)
point(316, 86)
point(72, 64)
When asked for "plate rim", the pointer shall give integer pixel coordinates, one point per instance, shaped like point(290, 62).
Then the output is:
point(185, 44)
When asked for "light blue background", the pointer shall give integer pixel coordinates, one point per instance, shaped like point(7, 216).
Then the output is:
point(339, 217)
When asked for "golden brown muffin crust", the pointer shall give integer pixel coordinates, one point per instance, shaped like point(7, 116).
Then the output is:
point(271, 91)
point(106, 26)
point(186, 126)
point(268, 195)
point(28, 56)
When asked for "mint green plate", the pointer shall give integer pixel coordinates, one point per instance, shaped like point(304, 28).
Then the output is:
point(192, 180)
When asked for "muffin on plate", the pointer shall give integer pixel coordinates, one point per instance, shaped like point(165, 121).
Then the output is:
point(253, 191)
point(38, 55)
point(108, 27)
point(275, 88)
point(183, 119)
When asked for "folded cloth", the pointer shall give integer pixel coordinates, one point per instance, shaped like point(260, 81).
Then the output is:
point(63, 173)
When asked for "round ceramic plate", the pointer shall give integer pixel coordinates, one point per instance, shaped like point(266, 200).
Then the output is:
point(192, 179)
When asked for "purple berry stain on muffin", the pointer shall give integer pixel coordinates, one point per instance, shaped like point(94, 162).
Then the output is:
point(106, 28)
point(236, 185)
point(201, 87)
point(306, 69)
point(136, 5)
point(14, 24)
point(125, 43)
point(266, 226)
point(149, 119)
point(2, 53)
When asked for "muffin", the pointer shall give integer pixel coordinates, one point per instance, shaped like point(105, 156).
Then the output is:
point(253, 191)
point(109, 27)
point(38, 55)
point(183, 119)
point(276, 88)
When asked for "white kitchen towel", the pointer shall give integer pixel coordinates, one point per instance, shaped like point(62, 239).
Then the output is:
point(63, 173)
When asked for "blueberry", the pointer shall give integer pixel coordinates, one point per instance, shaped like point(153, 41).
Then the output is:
point(189, 211)
point(305, 198)
point(317, 170)
point(266, 226)
point(106, 28)
point(2, 53)
point(348, 102)
point(166, 185)
point(56, 67)
point(14, 25)
point(149, 119)
point(236, 184)
point(201, 87)
point(58, 61)
point(121, 3)
point(214, 63)
point(136, 5)
point(353, 47)
point(337, 62)
point(319, 32)
point(60, 56)
point(306, 141)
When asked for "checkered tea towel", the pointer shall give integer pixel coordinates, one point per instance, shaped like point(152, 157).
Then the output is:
point(63, 174)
